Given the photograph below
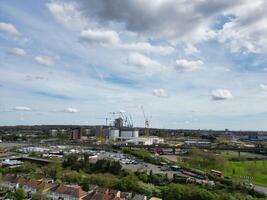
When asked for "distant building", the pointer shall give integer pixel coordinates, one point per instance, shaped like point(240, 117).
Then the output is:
point(145, 140)
point(118, 122)
point(11, 163)
point(54, 132)
point(114, 134)
point(129, 133)
point(123, 134)
point(76, 134)
point(253, 136)
point(197, 143)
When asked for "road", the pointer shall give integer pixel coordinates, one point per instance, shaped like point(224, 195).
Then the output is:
point(261, 189)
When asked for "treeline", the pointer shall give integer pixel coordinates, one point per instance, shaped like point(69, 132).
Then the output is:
point(75, 162)
point(144, 155)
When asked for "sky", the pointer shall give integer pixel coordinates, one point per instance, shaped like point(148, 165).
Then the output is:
point(198, 64)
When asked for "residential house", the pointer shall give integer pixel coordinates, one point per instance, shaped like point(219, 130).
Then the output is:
point(9, 181)
point(103, 194)
point(66, 192)
point(139, 197)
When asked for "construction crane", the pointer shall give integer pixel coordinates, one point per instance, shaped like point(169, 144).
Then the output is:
point(107, 120)
point(126, 117)
point(146, 122)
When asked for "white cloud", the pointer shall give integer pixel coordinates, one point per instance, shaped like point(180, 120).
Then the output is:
point(147, 48)
point(22, 108)
point(122, 111)
point(17, 51)
point(221, 94)
point(100, 36)
point(170, 19)
point(159, 92)
point(188, 65)
point(191, 49)
point(44, 60)
point(67, 14)
point(9, 29)
point(263, 87)
point(143, 62)
point(246, 31)
point(70, 110)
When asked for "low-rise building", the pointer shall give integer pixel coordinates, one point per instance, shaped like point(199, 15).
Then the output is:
point(66, 192)
point(123, 134)
point(104, 194)
point(11, 163)
point(145, 140)
point(9, 181)
point(61, 191)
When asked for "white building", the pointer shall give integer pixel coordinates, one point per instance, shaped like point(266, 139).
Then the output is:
point(123, 134)
point(129, 133)
point(145, 140)
point(114, 134)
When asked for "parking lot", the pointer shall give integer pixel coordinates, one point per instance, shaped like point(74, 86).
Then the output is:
point(134, 164)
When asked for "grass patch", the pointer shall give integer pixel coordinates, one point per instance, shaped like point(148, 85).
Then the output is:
point(243, 155)
point(243, 169)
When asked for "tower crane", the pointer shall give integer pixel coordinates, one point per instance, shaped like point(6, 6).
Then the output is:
point(106, 119)
point(146, 122)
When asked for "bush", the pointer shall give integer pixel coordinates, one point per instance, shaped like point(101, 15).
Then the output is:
point(106, 165)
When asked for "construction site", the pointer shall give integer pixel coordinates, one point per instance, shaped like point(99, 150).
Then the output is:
point(123, 131)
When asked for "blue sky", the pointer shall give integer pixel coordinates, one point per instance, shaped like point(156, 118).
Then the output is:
point(190, 64)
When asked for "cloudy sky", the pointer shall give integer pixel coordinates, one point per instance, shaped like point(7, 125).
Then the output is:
point(190, 64)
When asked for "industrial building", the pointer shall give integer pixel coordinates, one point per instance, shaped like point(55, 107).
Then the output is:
point(123, 134)
point(130, 135)
point(145, 140)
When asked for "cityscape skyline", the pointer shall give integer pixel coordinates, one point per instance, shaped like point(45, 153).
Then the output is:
point(195, 65)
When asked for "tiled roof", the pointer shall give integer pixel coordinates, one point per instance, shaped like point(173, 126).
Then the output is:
point(44, 186)
point(89, 196)
point(102, 194)
point(10, 178)
point(33, 183)
point(72, 190)
point(21, 180)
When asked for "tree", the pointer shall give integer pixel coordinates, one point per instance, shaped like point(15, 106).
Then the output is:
point(106, 165)
point(85, 162)
point(39, 196)
point(19, 194)
point(207, 160)
point(53, 170)
point(85, 184)
point(129, 183)
point(72, 162)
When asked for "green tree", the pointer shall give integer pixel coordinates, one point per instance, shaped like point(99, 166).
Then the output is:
point(206, 160)
point(85, 184)
point(39, 196)
point(19, 194)
point(72, 162)
point(53, 170)
point(85, 162)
